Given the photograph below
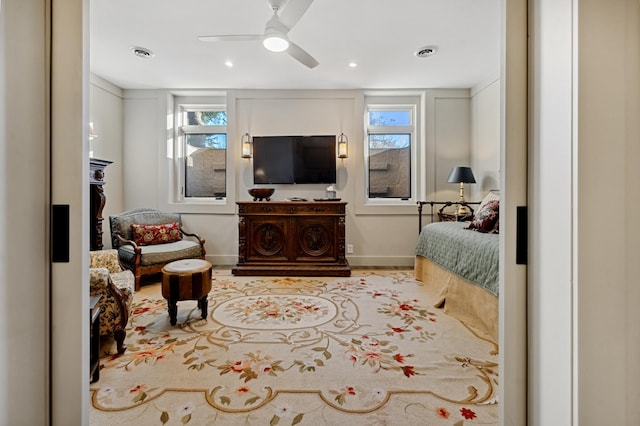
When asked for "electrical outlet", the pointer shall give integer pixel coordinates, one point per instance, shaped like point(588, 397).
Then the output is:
point(350, 248)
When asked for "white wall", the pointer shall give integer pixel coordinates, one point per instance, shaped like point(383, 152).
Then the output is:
point(144, 129)
point(378, 239)
point(448, 142)
point(485, 137)
point(24, 177)
point(106, 111)
point(266, 113)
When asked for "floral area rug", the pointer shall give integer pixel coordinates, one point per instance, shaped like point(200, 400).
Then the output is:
point(362, 350)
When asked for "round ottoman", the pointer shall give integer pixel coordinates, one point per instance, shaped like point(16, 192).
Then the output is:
point(188, 279)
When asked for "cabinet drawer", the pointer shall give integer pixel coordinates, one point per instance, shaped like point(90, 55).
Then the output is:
point(290, 208)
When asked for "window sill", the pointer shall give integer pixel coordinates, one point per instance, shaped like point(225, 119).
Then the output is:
point(224, 206)
point(386, 207)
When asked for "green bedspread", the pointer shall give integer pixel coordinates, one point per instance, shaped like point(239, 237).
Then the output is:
point(471, 255)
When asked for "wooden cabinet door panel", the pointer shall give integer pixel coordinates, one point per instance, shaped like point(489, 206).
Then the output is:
point(267, 239)
point(315, 239)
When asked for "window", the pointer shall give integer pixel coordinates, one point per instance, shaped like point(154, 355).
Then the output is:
point(202, 168)
point(390, 141)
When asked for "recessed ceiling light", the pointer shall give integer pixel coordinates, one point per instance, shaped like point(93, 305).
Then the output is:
point(353, 64)
point(423, 52)
point(141, 52)
point(228, 63)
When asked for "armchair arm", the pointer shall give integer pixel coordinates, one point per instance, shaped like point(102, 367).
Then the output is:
point(101, 283)
point(124, 241)
point(98, 280)
point(189, 234)
point(200, 240)
point(123, 300)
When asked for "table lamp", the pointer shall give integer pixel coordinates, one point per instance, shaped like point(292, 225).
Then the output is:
point(462, 175)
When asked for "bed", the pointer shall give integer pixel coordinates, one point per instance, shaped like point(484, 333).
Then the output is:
point(462, 266)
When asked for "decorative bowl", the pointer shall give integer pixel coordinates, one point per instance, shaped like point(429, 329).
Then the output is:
point(260, 194)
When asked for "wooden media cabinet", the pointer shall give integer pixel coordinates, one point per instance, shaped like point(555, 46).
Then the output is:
point(299, 238)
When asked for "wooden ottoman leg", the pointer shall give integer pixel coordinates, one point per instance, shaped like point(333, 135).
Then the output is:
point(203, 304)
point(173, 311)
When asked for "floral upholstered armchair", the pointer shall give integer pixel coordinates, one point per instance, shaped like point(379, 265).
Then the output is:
point(116, 286)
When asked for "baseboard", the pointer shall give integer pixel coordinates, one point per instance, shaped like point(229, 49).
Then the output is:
point(354, 261)
point(378, 261)
point(218, 260)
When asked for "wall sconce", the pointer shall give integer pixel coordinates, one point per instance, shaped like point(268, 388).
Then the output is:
point(92, 133)
point(247, 146)
point(343, 149)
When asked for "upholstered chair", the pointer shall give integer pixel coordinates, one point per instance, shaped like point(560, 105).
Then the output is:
point(148, 239)
point(116, 285)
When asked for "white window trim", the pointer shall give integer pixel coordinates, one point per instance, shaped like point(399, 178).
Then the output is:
point(181, 131)
point(411, 130)
point(175, 201)
point(389, 101)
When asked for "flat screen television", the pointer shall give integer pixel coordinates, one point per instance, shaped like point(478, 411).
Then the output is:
point(294, 159)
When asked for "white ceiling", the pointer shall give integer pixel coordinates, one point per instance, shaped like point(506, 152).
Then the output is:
point(381, 36)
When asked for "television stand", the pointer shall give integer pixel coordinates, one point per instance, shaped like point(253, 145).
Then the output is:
point(293, 238)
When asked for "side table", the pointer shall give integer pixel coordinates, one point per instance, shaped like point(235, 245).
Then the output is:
point(446, 217)
point(453, 217)
point(94, 339)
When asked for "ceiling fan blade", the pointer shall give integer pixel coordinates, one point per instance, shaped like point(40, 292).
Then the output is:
point(231, 37)
point(293, 11)
point(301, 55)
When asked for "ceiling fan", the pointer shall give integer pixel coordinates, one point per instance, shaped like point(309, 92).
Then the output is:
point(275, 33)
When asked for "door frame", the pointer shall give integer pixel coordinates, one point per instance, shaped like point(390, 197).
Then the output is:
point(69, 153)
point(513, 188)
point(69, 118)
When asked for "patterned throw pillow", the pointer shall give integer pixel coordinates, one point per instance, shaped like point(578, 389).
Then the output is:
point(492, 195)
point(486, 220)
point(145, 235)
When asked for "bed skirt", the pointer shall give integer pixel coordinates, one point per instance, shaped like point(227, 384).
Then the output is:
point(460, 298)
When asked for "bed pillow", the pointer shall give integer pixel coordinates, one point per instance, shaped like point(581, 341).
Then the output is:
point(492, 195)
point(146, 235)
point(487, 218)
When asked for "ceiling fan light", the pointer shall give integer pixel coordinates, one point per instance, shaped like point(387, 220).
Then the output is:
point(275, 42)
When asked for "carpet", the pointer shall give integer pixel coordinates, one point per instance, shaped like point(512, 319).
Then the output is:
point(361, 350)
